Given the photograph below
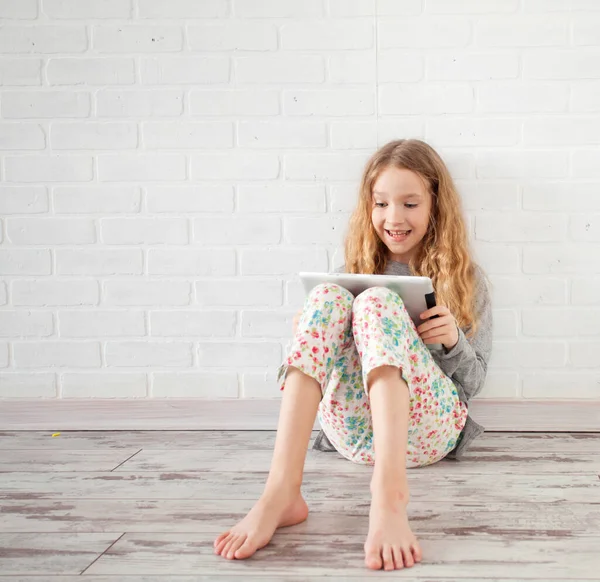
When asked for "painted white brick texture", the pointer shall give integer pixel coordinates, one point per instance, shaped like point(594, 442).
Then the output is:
point(167, 168)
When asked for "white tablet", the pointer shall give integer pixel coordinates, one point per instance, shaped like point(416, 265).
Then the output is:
point(416, 292)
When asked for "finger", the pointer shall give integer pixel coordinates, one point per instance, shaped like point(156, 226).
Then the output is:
point(436, 310)
point(436, 339)
point(435, 323)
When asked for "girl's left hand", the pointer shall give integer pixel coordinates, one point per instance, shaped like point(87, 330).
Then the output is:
point(441, 330)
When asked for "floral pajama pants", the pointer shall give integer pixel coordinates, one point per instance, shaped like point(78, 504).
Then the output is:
point(340, 339)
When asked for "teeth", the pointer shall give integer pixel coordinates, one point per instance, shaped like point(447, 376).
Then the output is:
point(398, 232)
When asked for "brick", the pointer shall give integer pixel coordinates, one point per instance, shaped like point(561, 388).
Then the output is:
point(23, 200)
point(242, 35)
point(521, 97)
point(20, 72)
point(104, 385)
point(57, 354)
point(45, 39)
point(101, 323)
point(90, 71)
point(187, 135)
point(522, 291)
point(152, 293)
point(334, 102)
point(566, 322)
point(431, 99)
point(281, 262)
point(22, 136)
point(139, 103)
point(93, 199)
point(187, 199)
point(424, 32)
point(233, 102)
point(52, 293)
point(193, 324)
point(281, 68)
point(311, 231)
point(146, 231)
point(26, 324)
point(99, 262)
point(26, 385)
point(57, 9)
point(93, 136)
point(191, 262)
point(137, 39)
point(226, 293)
point(520, 227)
point(564, 259)
point(339, 34)
point(146, 167)
point(183, 9)
point(248, 354)
point(194, 385)
point(522, 30)
point(149, 353)
point(295, 134)
point(51, 231)
point(237, 230)
point(187, 70)
point(235, 166)
point(281, 198)
point(45, 104)
point(25, 262)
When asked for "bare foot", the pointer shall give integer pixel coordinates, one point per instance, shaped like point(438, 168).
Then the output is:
point(273, 510)
point(390, 543)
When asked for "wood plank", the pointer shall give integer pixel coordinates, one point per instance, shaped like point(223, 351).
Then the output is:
point(332, 516)
point(507, 487)
point(240, 461)
point(404, 576)
point(265, 440)
point(459, 556)
point(63, 460)
point(56, 553)
point(502, 414)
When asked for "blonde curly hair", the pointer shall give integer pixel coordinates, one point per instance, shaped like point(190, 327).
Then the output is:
point(444, 254)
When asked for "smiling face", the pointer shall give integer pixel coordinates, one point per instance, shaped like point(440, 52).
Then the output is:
point(400, 202)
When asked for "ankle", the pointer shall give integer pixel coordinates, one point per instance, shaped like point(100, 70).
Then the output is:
point(390, 488)
point(280, 486)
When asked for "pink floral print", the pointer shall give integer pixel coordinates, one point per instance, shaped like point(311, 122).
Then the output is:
point(340, 339)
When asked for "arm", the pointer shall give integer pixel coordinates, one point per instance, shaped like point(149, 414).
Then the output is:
point(467, 361)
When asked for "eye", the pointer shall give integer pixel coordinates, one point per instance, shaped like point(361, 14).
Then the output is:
point(409, 206)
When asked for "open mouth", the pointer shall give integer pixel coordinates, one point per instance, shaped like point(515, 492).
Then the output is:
point(397, 235)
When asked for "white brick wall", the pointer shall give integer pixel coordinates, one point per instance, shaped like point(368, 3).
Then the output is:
point(168, 167)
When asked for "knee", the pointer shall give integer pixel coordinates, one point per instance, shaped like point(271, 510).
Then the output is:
point(376, 295)
point(332, 292)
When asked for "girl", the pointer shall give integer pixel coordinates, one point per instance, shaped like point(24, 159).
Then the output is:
point(361, 363)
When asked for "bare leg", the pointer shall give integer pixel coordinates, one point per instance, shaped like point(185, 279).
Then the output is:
point(390, 542)
point(281, 503)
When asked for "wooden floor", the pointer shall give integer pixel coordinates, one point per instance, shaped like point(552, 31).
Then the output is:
point(146, 506)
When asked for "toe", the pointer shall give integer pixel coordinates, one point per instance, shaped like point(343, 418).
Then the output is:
point(220, 538)
point(386, 554)
point(408, 557)
point(236, 545)
point(373, 557)
point(225, 552)
point(223, 543)
point(398, 559)
point(246, 549)
point(416, 552)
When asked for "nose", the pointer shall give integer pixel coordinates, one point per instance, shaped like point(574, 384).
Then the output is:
point(395, 216)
